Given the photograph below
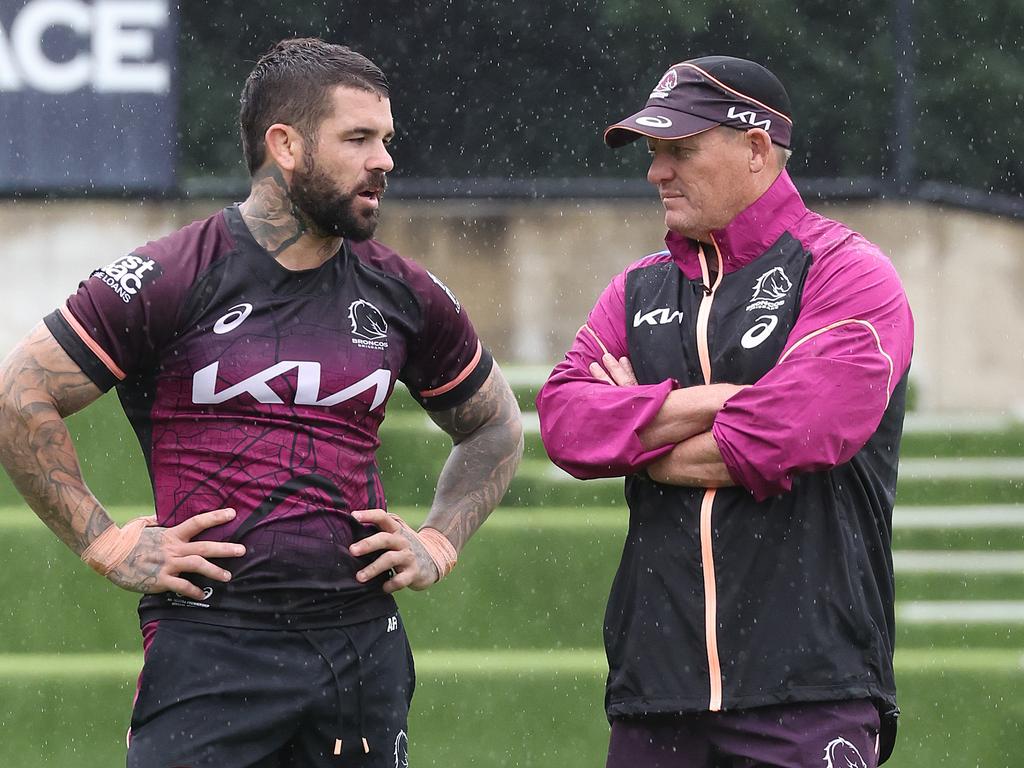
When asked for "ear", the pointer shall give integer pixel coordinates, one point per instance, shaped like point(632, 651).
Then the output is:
point(284, 146)
point(760, 145)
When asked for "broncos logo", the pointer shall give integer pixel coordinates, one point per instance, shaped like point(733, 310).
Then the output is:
point(668, 81)
point(842, 754)
point(770, 290)
point(772, 285)
point(367, 321)
point(401, 750)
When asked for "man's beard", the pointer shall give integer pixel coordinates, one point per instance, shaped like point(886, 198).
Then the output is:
point(328, 211)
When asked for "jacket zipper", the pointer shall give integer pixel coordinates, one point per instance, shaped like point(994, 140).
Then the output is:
point(707, 554)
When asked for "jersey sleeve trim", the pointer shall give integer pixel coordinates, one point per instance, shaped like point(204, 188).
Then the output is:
point(437, 391)
point(460, 389)
point(848, 321)
point(82, 354)
point(91, 344)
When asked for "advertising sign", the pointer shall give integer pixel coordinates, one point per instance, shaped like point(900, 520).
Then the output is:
point(87, 96)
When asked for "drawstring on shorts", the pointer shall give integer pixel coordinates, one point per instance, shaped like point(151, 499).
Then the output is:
point(338, 742)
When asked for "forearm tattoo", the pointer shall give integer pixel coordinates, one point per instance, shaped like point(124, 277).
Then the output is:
point(488, 435)
point(39, 385)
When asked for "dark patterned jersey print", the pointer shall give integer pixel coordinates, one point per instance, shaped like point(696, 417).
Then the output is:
point(259, 388)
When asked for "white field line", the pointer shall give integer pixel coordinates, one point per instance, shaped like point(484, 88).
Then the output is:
point(974, 468)
point(904, 518)
point(925, 561)
point(970, 516)
point(960, 612)
point(958, 422)
point(579, 662)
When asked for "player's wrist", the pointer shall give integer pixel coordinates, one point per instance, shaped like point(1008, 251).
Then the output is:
point(440, 549)
point(111, 548)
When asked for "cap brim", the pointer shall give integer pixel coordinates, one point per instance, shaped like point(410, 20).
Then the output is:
point(656, 123)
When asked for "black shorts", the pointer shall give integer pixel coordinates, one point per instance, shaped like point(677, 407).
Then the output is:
point(840, 734)
point(223, 697)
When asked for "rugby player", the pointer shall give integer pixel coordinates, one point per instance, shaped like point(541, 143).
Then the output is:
point(254, 353)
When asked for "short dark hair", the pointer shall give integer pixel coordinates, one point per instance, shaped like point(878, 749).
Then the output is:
point(291, 83)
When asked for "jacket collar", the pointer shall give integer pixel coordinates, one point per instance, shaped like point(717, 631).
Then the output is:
point(748, 235)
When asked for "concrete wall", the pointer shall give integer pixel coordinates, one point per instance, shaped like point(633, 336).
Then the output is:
point(528, 272)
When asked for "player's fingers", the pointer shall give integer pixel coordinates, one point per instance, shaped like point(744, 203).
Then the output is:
point(378, 517)
point(398, 560)
point(400, 580)
point(182, 587)
point(201, 566)
point(196, 525)
point(599, 373)
point(379, 541)
point(212, 549)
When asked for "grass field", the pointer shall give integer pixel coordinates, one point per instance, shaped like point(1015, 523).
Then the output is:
point(509, 659)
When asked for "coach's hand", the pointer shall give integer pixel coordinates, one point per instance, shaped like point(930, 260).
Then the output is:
point(402, 551)
point(618, 372)
point(161, 555)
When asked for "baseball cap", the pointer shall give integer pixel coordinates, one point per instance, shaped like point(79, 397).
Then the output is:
point(697, 95)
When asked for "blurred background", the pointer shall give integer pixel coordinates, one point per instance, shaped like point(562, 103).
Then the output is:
point(119, 126)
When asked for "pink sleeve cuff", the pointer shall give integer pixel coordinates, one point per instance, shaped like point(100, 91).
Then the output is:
point(590, 429)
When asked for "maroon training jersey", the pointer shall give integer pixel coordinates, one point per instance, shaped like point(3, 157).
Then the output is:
point(259, 388)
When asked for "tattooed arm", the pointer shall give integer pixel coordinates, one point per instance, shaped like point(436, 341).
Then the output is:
point(39, 386)
point(487, 433)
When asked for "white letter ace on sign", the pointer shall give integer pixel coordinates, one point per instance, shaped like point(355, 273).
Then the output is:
point(115, 52)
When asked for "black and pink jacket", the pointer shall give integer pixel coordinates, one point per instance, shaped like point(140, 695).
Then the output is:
point(779, 589)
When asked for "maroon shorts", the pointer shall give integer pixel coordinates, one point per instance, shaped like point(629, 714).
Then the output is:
point(830, 734)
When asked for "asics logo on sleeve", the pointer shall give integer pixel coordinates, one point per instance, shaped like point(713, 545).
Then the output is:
point(234, 318)
point(660, 316)
point(307, 387)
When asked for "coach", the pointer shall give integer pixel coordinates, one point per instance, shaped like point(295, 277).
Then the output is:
point(749, 382)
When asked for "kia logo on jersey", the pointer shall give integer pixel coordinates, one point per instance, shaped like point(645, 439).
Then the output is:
point(307, 386)
point(660, 316)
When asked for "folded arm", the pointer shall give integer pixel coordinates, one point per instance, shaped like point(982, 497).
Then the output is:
point(682, 421)
point(597, 421)
point(824, 399)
